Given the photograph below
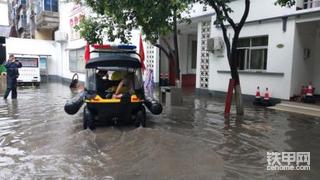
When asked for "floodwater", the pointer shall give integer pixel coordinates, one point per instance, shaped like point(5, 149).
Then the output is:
point(38, 140)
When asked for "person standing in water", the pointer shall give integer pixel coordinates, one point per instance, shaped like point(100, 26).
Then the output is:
point(12, 66)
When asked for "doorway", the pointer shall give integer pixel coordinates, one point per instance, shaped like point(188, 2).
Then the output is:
point(189, 78)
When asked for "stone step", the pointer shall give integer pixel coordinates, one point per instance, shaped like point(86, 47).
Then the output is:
point(300, 108)
point(300, 105)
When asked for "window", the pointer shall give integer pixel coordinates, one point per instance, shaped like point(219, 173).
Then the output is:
point(310, 4)
point(23, 20)
point(194, 55)
point(28, 62)
point(91, 79)
point(23, 2)
point(51, 5)
point(76, 60)
point(252, 53)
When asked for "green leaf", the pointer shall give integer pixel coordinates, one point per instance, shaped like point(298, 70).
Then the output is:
point(116, 19)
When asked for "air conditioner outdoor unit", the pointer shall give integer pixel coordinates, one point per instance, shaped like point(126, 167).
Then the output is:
point(60, 36)
point(215, 44)
point(300, 4)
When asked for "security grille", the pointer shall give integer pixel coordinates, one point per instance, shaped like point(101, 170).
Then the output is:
point(150, 56)
point(204, 64)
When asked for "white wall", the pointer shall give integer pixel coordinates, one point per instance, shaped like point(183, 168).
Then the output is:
point(316, 67)
point(259, 9)
point(307, 35)
point(279, 61)
point(184, 49)
point(302, 68)
point(37, 47)
point(66, 12)
point(156, 66)
point(66, 47)
point(4, 19)
point(191, 38)
point(164, 64)
point(196, 10)
point(183, 53)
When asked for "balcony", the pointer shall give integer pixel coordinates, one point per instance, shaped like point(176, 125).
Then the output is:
point(307, 4)
point(47, 20)
point(47, 15)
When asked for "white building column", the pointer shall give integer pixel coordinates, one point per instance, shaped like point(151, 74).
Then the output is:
point(152, 60)
point(202, 79)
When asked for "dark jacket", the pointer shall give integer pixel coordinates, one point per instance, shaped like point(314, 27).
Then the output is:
point(12, 69)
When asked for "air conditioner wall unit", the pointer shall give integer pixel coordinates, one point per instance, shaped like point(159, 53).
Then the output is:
point(215, 44)
point(300, 4)
point(60, 36)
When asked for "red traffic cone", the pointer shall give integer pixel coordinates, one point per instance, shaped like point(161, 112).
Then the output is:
point(266, 98)
point(258, 96)
point(310, 89)
point(266, 95)
point(309, 98)
point(257, 100)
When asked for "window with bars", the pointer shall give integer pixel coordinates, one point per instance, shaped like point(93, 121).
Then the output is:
point(252, 53)
point(51, 5)
point(76, 60)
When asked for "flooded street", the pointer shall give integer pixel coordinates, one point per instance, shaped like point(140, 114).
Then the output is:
point(39, 140)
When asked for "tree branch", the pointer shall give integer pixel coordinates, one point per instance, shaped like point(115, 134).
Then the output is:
point(245, 15)
point(167, 43)
point(226, 39)
point(229, 19)
point(163, 50)
point(223, 27)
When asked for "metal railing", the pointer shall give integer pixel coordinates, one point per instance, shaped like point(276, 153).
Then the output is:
point(46, 5)
point(308, 4)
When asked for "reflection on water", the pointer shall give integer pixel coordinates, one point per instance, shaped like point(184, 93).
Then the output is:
point(194, 141)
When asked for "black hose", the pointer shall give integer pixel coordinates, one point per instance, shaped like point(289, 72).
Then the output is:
point(153, 105)
point(73, 105)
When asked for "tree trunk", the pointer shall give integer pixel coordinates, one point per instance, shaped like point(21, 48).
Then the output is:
point(176, 47)
point(238, 99)
point(237, 88)
point(172, 69)
point(222, 13)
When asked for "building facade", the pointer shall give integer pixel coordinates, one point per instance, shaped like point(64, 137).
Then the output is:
point(277, 48)
point(45, 28)
point(29, 31)
point(190, 43)
point(73, 46)
point(34, 19)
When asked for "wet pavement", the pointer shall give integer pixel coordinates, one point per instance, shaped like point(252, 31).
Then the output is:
point(38, 140)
